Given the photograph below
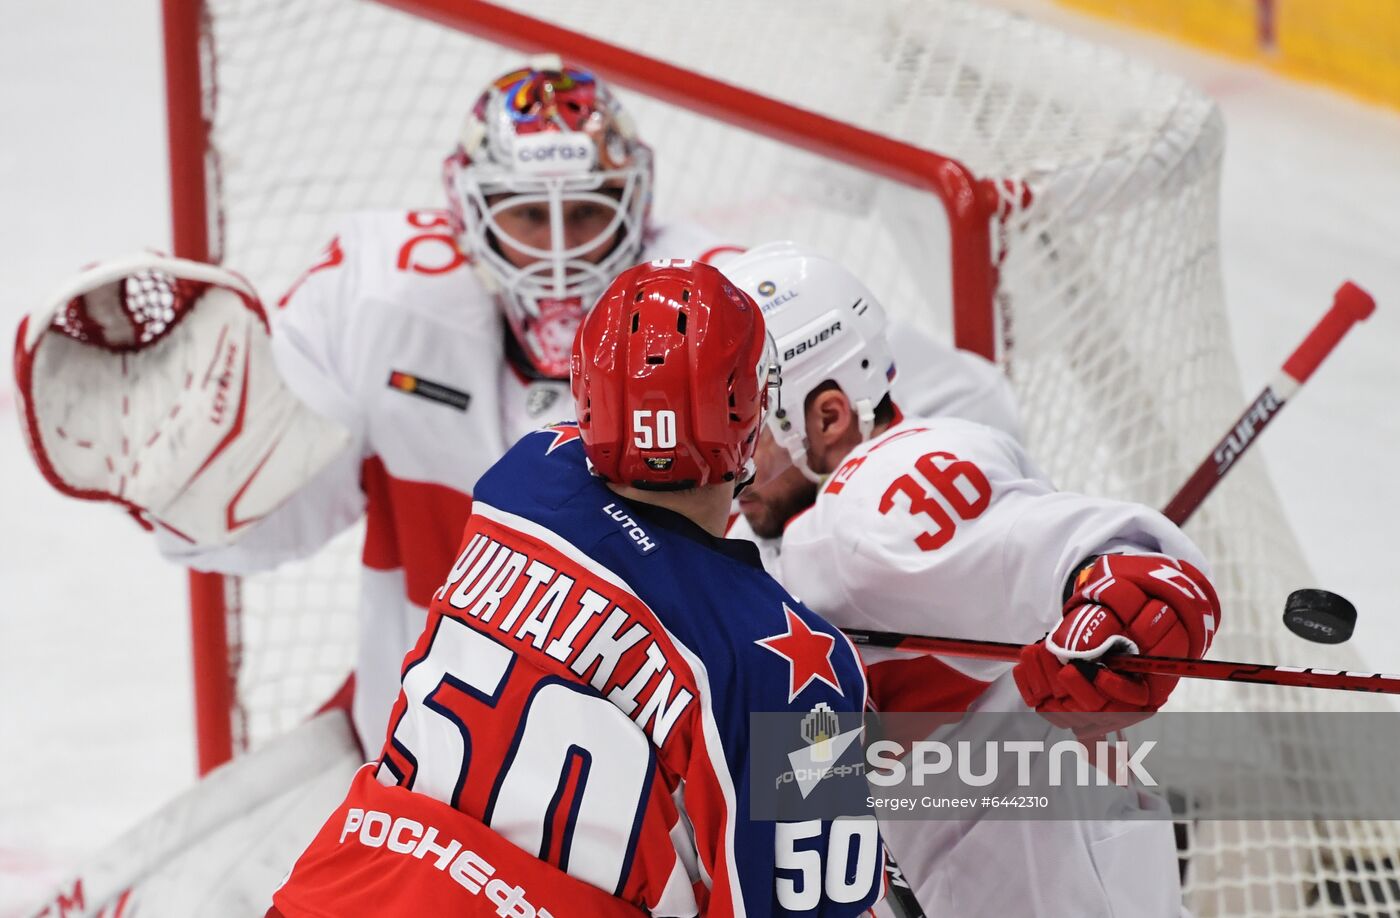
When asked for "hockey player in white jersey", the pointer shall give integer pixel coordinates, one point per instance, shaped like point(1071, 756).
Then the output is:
point(424, 342)
point(393, 373)
point(434, 338)
point(933, 381)
point(944, 527)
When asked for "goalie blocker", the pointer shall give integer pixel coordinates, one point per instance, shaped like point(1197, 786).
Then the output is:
point(149, 382)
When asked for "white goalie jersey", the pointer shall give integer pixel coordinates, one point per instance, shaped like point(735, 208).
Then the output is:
point(392, 335)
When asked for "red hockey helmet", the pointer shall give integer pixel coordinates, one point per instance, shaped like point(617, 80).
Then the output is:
point(671, 377)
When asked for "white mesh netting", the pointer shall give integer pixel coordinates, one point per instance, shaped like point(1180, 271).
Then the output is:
point(1111, 321)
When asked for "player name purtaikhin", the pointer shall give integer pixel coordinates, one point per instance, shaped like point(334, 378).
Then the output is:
point(567, 617)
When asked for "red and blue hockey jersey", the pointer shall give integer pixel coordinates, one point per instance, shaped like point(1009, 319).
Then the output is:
point(575, 720)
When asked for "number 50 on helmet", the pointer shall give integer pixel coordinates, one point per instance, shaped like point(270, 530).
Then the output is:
point(672, 373)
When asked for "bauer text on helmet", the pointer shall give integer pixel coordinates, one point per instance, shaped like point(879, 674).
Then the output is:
point(826, 325)
point(671, 377)
point(550, 190)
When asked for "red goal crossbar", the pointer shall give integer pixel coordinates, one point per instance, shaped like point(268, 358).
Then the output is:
point(970, 202)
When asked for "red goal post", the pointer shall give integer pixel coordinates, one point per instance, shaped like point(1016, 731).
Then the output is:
point(187, 127)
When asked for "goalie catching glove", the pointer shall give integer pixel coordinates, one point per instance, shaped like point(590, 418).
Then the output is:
point(149, 381)
point(1148, 604)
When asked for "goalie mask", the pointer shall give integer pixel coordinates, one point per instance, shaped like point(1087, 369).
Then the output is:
point(827, 326)
point(549, 190)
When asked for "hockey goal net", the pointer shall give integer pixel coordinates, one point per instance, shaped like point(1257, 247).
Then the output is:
point(1074, 225)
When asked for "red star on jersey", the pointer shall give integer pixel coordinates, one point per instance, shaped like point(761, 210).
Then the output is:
point(563, 433)
point(807, 652)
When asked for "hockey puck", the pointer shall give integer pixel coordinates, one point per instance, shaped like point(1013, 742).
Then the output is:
point(1319, 616)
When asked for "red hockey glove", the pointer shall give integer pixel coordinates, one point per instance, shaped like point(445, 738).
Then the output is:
point(1148, 604)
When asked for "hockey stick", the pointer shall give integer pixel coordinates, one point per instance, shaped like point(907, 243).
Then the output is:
point(899, 895)
point(1350, 305)
point(1218, 670)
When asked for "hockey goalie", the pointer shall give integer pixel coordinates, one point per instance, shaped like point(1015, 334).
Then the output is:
point(388, 379)
point(151, 382)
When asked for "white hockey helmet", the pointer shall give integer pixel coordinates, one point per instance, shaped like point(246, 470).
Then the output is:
point(827, 326)
point(541, 136)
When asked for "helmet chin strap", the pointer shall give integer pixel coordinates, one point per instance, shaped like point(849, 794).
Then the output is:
point(746, 476)
point(796, 444)
point(865, 416)
point(799, 459)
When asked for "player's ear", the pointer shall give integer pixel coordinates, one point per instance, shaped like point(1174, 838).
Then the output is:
point(831, 424)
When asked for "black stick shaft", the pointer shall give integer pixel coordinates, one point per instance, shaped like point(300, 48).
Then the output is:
point(1218, 670)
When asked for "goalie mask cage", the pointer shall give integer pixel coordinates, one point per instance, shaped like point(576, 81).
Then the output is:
point(1074, 194)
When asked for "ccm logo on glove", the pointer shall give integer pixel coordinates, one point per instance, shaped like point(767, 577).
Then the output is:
point(1148, 604)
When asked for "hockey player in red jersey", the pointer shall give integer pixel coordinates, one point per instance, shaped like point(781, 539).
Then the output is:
point(945, 527)
point(571, 732)
point(433, 338)
point(439, 338)
point(423, 344)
